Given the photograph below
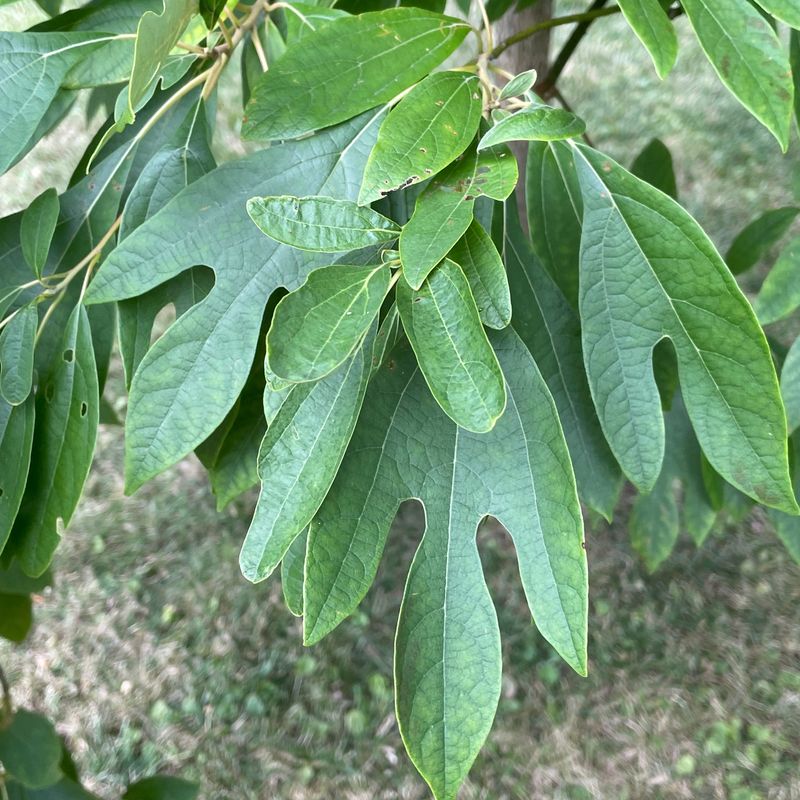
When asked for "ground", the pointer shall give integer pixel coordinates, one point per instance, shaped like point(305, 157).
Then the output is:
point(152, 653)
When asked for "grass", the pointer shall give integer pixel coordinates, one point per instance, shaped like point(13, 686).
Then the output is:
point(152, 653)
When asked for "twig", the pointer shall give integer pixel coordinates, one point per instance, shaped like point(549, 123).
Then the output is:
point(487, 26)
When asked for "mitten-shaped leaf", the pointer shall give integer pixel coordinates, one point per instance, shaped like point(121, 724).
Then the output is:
point(649, 272)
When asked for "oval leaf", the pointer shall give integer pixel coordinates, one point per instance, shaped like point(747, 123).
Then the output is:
point(542, 123)
point(428, 129)
point(756, 239)
point(349, 65)
point(320, 224)
point(317, 326)
point(655, 31)
point(37, 227)
point(459, 365)
point(16, 355)
point(16, 438)
point(519, 84)
point(790, 386)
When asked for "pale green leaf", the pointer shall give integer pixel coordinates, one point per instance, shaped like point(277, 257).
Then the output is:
point(654, 165)
point(16, 355)
point(447, 658)
point(193, 374)
point(555, 211)
point(426, 131)
point(320, 224)
point(787, 11)
point(759, 237)
point(63, 446)
point(551, 330)
point(292, 574)
point(30, 749)
point(654, 29)
point(648, 272)
point(790, 386)
point(16, 438)
point(540, 123)
point(443, 212)
point(780, 292)
point(443, 326)
point(748, 57)
point(346, 67)
point(317, 326)
point(299, 458)
point(519, 84)
point(479, 260)
point(37, 227)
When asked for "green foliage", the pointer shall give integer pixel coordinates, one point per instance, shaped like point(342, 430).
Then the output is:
point(619, 342)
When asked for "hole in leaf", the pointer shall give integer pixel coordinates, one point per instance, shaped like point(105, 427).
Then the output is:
point(69, 355)
point(84, 409)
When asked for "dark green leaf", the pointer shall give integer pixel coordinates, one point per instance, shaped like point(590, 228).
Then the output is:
point(14, 581)
point(654, 165)
point(551, 331)
point(30, 749)
point(193, 374)
point(16, 617)
point(37, 227)
point(651, 24)
point(16, 355)
point(780, 292)
point(443, 326)
point(63, 445)
point(210, 11)
point(649, 272)
point(756, 240)
point(314, 16)
point(161, 787)
point(376, 56)
point(479, 260)
point(316, 327)
point(426, 131)
point(16, 438)
point(299, 458)
point(748, 57)
point(320, 224)
point(540, 123)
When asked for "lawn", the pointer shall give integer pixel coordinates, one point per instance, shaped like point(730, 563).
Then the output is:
point(153, 653)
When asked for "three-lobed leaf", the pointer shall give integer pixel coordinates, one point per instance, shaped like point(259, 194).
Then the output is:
point(320, 224)
point(318, 325)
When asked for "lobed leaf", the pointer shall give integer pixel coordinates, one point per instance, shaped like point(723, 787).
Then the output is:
point(444, 328)
point(316, 327)
point(346, 67)
point(651, 24)
point(539, 123)
point(320, 224)
point(426, 131)
point(648, 272)
point(749, 59)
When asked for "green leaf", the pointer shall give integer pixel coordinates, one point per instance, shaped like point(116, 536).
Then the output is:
point(555, 211)
point(785, 10)
point(654, 165)
point(313, 17)
point(161, 787)
point(794, 60)
point(649, 272)
point(519, 84)
point(16, 438)
point(292, 574)
point(540, 123)
point(443, 212)
point(657, 518)
point(447, 657)
point(551, 331)
point(426, 131)
point(790, 386)
point(443, 326)
point(479, 260)
point(37, 227)
point(16, 617)
point(756, 240)
point(193, 374)
point(299, 458)
point(156, 35)
point(748, 57)
point(210, 11)
point(32, 68)
point(780, 292)
point(787, 526)
point(320, 224)
point(375, 57)
point(14, 581)
point(389, 334)
point(316, 327)
point(30, 749)
point(63, 445)
point(16, 355)
point(654, 29)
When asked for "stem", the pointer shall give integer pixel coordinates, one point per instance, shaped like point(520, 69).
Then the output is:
point(584, 18)
point(572, 43)
point(259, 48)
point(487, 26)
